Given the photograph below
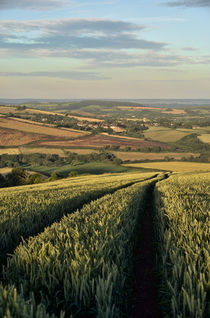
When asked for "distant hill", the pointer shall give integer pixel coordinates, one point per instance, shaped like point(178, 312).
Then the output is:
point(80, 103)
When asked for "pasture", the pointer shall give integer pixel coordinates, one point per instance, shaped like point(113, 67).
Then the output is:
point(164, 134)
point(88, 168)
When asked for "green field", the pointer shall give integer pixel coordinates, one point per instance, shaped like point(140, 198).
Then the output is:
point(164, 134)
point(88, 168)
point(77, 257)
point(182, 232)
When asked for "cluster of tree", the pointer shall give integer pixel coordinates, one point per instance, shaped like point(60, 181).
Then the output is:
point(54, 119)
point(190, 143)
point(21, 107)
point(134, 128)
point(203, 157)
point(19, 176)
point(185, 123)
point(102, 156)
point(128, 148)
point(37, 159)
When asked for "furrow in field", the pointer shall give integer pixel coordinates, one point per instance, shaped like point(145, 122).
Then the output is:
point(26, 213)
point(145, 301)
point(81, 265)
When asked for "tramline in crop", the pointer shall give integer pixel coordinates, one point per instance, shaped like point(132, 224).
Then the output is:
point(80, 265)
point(182, 211)
point(27, 210)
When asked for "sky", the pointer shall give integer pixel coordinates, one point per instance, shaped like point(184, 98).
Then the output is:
point(104, 49)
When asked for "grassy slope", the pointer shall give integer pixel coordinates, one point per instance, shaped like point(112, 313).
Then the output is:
point(88, 168)
point(164, 134)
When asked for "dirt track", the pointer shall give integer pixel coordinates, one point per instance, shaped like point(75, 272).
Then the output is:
point(145, 302)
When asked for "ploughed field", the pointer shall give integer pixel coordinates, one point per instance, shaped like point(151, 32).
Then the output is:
point(15, 132)
point(70, 247)
point(12, 137)
point(103, 140)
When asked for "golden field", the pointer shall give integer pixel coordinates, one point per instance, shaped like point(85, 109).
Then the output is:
point(174, 166)
point(205, 138)
point(37, 129)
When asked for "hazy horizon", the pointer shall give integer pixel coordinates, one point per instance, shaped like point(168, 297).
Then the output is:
point(111, 49)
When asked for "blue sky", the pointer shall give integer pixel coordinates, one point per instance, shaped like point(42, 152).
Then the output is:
point(104, 49)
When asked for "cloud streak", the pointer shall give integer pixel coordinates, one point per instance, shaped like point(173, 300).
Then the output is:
point(73, 75)
point(189, 3)
point(74, 33)
point(99, 43)
point(36, 5)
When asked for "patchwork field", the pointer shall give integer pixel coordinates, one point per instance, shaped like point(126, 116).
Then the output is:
point(164, 134)
point(37, 129)
point(132, 156)
point(99, 141)
point(172, 166)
